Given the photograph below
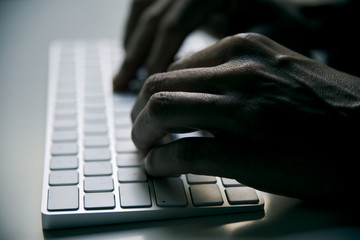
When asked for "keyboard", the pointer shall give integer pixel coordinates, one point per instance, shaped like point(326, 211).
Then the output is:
point(93, 172)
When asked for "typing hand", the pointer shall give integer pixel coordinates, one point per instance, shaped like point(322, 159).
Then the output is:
point(280, 121)
point(155, 32)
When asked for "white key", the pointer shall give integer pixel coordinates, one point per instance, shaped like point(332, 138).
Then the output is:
point(170, 192)
point(66, 94)
point(95, 118)
point(97, 168)
point(96, 141)
point(241, 195)
point(94, 99)
point(64, 136)
point(63, 198)
point(123, 121)
point(95, 129)
point(97, 154)
point(95, 108)
point(129, 159)
point(65, 113)
point(65, 124)
point(98, 184)
point(63, 162)
point(99, 200)
point(228, 182)
point(125, 146)
point(198, 179)
point(64, 149)
point(206, 195)
point(134, 195)
point(66, 104)
point(123, 133)
point(63, 177)
point(131, 174)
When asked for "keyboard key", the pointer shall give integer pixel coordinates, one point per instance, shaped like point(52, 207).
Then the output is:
point(94, 99)
point(63, 177)
point(63, 162)
point(63, 198)
point(241, 195)
point(97, 118)
point(134, 195)
point(65, 113)
point(95, 108)
point(64, 136)
point(123, 121)
point(66, 104)
point(98, 184)
point(99, 201)
point(122, 109)
point(123, 133)
point(97, 154)
point(131, 174)
point(206, 195)
point(125, 146)
point(200, 179)
point(170, 192)
point(97, 169)
point(65, 124)
point(95, 129)
point(66, 95)
point(64, 149)
point(96, 141)
point(129, 159)
point(228, 182)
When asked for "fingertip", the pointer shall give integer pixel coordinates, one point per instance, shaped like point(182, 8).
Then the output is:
point(148, 164)
point(118, 83)
point(123, 77)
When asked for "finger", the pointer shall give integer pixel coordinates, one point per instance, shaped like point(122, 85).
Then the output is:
point(137, 9)
point(182, 18)
point(167, 111)
point(201, 80)
point(245, 45)
point(208, 57)
point(140, 42)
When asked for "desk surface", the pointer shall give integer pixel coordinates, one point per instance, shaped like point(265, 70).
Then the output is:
point(26, 29)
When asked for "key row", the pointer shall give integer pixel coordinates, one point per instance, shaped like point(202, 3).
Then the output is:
point(92, 154)
point(125, 175)
point(169, 192)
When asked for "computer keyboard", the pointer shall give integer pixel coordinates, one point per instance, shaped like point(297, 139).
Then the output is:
point(93, 172)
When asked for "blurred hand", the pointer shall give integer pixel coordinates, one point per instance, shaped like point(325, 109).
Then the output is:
point(281, 121)
point(155, 32)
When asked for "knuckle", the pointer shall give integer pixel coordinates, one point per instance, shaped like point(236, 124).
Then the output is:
point(253, 37)
point(244, 43)
point(283, 61)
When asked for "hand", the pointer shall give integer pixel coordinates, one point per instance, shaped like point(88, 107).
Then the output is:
point(155, 32)
point(281, 122)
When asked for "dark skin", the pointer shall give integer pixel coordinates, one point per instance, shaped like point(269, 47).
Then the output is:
point(279, 121)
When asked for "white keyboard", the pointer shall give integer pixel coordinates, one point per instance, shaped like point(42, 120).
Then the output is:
point(93, 173)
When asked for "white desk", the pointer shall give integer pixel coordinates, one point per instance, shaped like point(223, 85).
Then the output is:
point(26, 29)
